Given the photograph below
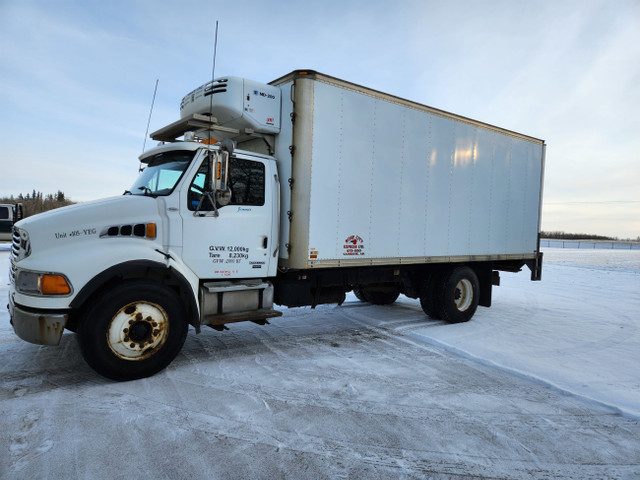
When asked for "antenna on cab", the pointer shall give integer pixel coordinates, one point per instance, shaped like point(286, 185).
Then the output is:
point(213, 76)
point(146, 133)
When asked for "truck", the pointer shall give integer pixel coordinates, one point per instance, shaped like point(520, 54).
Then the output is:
point(290, 193)
point(10, 213)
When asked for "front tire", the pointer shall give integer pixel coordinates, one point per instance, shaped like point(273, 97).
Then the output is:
point(133, 331)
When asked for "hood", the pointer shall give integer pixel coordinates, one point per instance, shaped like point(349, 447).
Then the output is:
point(84, 221)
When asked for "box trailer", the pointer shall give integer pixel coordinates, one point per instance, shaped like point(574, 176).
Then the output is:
point(290, 193)
point(381, 180)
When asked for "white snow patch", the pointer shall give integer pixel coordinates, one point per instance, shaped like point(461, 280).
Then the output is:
point(577, 330)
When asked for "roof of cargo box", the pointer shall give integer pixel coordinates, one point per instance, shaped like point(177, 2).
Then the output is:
point(321, 77)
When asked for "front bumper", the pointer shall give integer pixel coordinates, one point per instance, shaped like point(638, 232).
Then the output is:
point(42, 327)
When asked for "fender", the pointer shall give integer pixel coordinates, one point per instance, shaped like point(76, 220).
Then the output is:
point(115, 271)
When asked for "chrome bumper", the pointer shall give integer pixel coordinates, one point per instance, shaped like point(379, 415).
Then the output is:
point(37, 326)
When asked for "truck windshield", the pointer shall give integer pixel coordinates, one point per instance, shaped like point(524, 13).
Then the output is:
point(162, 173)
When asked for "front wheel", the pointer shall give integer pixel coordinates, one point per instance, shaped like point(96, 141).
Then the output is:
point(133, 331)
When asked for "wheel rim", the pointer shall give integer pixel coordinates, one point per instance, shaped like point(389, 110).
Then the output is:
point(138, 330)
point(463, 296)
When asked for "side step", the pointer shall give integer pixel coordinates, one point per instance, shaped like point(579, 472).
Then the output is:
point(252, 315)
point(236, 301)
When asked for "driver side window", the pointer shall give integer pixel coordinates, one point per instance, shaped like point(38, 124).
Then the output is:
point(246, 180)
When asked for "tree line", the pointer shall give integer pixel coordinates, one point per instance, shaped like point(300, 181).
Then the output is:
point(37, 202)
point(559, 235)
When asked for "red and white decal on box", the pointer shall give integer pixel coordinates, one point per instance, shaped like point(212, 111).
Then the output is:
point(353, 245)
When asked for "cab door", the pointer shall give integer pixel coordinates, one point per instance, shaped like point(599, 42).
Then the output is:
point(237, 242)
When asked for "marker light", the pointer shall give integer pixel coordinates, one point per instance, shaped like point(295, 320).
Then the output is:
point(151, 230)
point(51, 284)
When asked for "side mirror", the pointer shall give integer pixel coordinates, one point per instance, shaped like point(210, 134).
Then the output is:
point(223, 194)
point(220, 173)
point(223, 197)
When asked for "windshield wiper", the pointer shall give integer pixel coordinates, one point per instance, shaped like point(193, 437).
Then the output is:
point(147, 191)
point(127, 192)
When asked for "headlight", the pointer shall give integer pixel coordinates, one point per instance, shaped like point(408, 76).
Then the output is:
point(37, 283)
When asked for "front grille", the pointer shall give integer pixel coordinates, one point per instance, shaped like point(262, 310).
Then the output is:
point(12, 273)
point(21, 245)
point(15, 246)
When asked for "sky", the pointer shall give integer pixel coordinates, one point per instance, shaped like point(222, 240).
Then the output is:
point(77, 80)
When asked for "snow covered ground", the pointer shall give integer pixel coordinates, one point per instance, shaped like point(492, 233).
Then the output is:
point(544, 384)
point(577, 330)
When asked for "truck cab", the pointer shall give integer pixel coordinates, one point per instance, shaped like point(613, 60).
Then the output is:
point(198, 231)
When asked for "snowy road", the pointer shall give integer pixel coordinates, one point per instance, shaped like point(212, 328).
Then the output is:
point(356, 392)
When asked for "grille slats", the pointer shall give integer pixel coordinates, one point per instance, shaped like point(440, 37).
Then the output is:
point(15, 244)
point(20, 245)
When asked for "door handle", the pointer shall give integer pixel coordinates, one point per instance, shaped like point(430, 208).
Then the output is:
point(265, 241)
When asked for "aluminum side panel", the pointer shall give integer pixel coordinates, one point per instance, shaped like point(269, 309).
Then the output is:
point(387, 183)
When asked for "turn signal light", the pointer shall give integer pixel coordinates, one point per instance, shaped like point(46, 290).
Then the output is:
point(51, 284)
point(151, 230)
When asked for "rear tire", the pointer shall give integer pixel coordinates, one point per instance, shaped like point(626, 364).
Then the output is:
point(360, 295)
point(429, 299)
point(458, 295)
point(382, 297)
point(133, 331)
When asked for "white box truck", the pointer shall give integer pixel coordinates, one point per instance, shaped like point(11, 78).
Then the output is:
point(290, 193)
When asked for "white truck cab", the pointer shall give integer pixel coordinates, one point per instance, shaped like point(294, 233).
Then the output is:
point(169, 229)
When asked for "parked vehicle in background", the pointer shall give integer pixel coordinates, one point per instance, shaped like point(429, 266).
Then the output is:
point(9, 214)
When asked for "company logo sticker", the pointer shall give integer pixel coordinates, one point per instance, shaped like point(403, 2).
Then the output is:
point(353, 245)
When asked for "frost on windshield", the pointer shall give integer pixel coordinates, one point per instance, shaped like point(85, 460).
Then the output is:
point(162, 173)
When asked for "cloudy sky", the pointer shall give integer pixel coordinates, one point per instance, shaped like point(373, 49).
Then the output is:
point(77, 79)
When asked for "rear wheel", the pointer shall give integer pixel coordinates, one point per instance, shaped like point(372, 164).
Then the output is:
point(378, 297)
point(360, 295)
point(133, 331)
point(382, 297)
point(429, 300)
point(458, 295)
